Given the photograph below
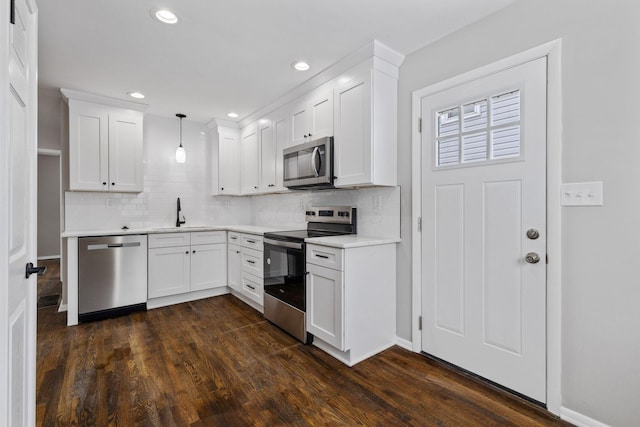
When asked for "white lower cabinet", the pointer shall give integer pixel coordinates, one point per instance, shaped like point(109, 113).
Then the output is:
point(176, 266)
point(325, 313)
point(245, 269)
point(169, 271)
point(234, 267)
point(351, 300)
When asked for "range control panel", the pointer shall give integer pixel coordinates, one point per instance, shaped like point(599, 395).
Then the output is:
point(333, 214)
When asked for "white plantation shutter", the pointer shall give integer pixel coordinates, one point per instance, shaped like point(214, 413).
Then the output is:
point(488, 129)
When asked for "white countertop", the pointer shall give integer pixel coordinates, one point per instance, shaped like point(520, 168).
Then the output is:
point(342, 242)
point(250, 229)
point(351, 241)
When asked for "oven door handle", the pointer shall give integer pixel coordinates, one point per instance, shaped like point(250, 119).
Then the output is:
point(283, 244)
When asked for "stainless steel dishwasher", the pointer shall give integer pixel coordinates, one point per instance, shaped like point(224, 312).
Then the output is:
point(112, 276)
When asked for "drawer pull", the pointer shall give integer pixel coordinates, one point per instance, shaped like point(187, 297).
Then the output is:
point(253, 288)
point(250, 261)
point(250, 241)
point(322, 256)
point(233, 238)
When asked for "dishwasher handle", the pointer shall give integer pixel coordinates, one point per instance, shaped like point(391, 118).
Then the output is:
point(112, 246)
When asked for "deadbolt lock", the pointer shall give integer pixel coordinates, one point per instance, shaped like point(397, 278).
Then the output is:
point(533, 234)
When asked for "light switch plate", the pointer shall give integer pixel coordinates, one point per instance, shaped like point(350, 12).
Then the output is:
point(582, 194)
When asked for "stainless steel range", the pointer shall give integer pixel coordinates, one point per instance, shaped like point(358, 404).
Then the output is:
point(285, 266)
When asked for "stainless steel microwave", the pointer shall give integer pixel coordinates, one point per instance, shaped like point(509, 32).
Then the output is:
point(309, 165)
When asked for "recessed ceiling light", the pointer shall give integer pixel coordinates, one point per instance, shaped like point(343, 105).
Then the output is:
point(164, 15)
point(136, 95)
point(233, 115)
point(300, 66)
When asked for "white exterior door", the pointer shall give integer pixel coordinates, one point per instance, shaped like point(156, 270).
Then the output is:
point(18, 219)
point(483, 234)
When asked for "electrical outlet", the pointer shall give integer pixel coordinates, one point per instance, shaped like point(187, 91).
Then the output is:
point(582, 194)
point(377, 202)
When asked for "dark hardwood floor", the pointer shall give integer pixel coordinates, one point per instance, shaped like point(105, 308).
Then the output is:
point(217, 362)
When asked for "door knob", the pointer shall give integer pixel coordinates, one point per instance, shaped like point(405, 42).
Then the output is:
point(532, 258)
point(30, 269)
point(533, 234)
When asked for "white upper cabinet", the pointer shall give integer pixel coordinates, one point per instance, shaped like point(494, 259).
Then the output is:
point(312, 116)
point(125, 151)
point(105, 147)
point(249, 160)
point(266, 136)
point(228, 161)
point(365, 125)
point(280, 126)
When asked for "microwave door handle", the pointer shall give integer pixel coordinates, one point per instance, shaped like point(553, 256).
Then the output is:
point(313, 161)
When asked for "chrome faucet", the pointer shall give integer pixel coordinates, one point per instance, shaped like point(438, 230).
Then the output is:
point(178, 220)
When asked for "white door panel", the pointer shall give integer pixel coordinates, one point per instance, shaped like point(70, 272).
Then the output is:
point(18, 170)
point(483, 174)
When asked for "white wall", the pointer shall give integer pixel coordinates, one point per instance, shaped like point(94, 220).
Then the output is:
point(601, 141)
point(164, 181)
point(48, 206)
point(49, 118)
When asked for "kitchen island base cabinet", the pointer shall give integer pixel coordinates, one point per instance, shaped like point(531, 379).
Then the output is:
point(351, 305)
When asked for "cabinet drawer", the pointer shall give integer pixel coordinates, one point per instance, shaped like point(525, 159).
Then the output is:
point(252, 241)
point(325, 256)
point(233, 238)
point(252, 261)
point(208, 237)
point(167, 240)
point(252, 287)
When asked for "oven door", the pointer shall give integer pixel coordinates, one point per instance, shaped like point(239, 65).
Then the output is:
point(284, 272)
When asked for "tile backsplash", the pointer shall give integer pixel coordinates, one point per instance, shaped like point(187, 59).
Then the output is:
point(165, 180)
point(378, 208)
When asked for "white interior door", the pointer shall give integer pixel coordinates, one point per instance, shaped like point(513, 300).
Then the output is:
point(483, 189)
point(18, 313)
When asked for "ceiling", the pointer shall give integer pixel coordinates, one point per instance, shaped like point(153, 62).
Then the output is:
point(225, 55)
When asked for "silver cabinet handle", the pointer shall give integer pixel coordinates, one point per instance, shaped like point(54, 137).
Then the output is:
point(532, 258)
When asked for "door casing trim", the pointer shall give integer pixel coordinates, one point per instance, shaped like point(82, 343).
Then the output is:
point(552, 51)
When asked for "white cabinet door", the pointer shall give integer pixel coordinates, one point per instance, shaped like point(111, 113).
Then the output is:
point(325, 305)
point(228, 162)
point(267, 156)
point(299, 122)
point(281, 138)
point(365, 128)
point(88, 146)
point(125, 151)
point(321, 114)
point(169, 271)
point(250, 161)
point(352, 142)
point(234, 268)
point(208, 266)
point(312, 117)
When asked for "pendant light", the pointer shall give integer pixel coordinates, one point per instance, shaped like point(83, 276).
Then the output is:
point(181, 155)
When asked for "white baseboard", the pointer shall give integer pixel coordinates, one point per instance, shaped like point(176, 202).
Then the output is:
point(45, 257)
point(578, 419)
point(406, 344)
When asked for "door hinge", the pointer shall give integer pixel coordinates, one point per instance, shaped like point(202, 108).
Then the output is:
point(419, 323)
point(420, 124)
point(419, 224)
point(12, 12)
